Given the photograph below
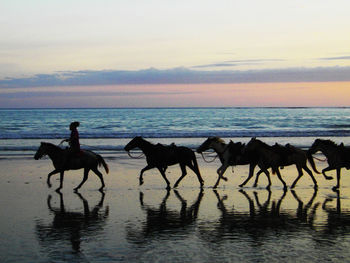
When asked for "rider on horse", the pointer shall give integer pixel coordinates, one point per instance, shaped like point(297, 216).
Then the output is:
point(74, 145)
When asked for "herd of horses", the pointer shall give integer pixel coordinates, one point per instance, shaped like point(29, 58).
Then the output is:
point(254, 153)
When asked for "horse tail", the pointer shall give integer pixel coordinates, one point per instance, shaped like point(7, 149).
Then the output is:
point(273, 170)
point(311, 161)
point(102, 161)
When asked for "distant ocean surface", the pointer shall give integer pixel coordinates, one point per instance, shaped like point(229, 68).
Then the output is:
point(108, 130)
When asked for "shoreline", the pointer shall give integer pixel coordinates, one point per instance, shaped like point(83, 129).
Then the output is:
point(110, 147)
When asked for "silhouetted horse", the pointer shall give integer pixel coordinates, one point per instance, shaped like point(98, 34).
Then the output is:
point(161, 156)
point(277, 156)
point(338, 156)
point(291, 155)
point(265, 156)
point(60, 159)
point(228, 155)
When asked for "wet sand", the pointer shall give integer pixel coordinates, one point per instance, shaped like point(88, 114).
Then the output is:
point(132, 223)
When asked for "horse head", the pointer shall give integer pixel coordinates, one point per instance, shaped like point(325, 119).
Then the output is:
point(41, 151)
point(316, 146)
point(134, 143)
point(210, 144)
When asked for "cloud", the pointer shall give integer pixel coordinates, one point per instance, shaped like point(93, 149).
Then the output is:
point(37, 94)
point(336, 58)
point(234, 63)
point(178, 76)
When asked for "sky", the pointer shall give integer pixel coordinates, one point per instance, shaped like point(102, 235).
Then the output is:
point(162, 53)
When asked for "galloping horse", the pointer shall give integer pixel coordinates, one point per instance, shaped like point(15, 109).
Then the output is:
point(338, 156)
point(227, 153)
point(160, 156)
point(279, 156)
point(291, 155)
point(265, 156)
point(60, 159)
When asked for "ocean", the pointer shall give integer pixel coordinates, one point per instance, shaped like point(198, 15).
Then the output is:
point(108, 130)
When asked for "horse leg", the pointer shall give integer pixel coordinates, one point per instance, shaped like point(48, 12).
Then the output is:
point(148, 167)
point(99, 174)
point(195, 169)
point(280, 177)
point(251, 173)
point(164, 177)
point(329, 168)
point(311, 175)
point(49, 176)
point(338, 180)
point(268, 178)
point(184, 172)
point(300, 174)
point(61, 181)
point(222, 171)
point(257, 178)
point(86, 173)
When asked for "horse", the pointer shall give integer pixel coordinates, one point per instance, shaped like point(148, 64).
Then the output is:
point(275, 157)
point(292, 155)
point(161, 156)
point(227, 154)
point(338, 156)
point(63, 162)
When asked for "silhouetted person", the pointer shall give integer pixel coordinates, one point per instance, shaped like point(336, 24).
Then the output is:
point(74, 138)
point(73, 141)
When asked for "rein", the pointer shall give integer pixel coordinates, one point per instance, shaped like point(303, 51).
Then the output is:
point(321, 160)
point(216, 156)
point(135, 157)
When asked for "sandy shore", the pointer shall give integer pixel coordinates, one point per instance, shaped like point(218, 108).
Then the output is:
point(122, 228)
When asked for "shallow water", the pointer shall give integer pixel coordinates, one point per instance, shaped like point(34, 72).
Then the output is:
point(131, 223)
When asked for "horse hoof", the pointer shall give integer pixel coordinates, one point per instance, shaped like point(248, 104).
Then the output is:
point(329, 178)
point(224, 178)
point(101, 189)
point(58, 190)
point(335, 188)
point(241, 185)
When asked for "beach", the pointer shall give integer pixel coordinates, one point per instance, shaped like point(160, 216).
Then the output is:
point(132, 223)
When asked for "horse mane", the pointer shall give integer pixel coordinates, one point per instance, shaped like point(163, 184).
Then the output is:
point(51, 145)
point(219, 140)
point(328, 142)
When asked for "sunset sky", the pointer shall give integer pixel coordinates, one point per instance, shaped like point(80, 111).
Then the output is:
point(161, 53)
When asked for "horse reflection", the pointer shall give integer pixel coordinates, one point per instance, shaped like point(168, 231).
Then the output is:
point(164, 221)
point(306, 212)
point(262, 219)
point(71, 226)
point(338, 219)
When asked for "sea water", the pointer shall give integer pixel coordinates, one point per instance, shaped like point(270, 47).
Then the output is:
point(108, 130)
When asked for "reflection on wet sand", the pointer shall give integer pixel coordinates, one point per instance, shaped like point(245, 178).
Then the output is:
point(164, 221)
point(222, 225)
point(265, 218)
point(338, 219)
point(70, 228)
